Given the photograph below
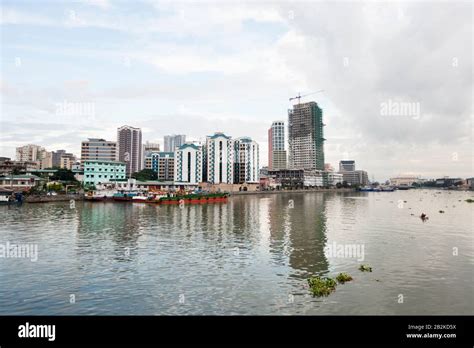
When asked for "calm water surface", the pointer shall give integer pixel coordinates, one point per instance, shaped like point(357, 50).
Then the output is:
point(249, 256)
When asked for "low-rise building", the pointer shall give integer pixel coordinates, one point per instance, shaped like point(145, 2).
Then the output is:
point(334, 178)
point(355, 177)
point(296, 178)
point(149, 186)
point(448, 182)
point(403, 180)
point(9, 167)
point(99, 172)
point(20, 182)
point(470, 183)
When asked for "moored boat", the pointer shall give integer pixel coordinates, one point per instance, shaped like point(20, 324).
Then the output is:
point(10, 197)
point(99, 195)
point(124, 196)
point(366, 189)
point(199, 198)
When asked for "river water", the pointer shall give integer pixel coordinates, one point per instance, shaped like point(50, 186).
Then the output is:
point(251, 255)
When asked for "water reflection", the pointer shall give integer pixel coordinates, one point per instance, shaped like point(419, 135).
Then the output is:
point(243, 257)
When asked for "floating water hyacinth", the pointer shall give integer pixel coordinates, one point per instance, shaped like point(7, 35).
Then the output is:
point(343, 277)
point(365, 268)
point(321, 286)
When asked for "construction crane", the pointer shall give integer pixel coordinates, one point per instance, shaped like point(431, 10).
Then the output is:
point(299, 96)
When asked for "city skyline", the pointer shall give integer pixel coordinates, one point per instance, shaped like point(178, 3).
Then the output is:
point(181, 71)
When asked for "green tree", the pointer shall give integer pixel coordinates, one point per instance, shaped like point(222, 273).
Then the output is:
point(63, 175)
point(55, 187)
point(145, 175)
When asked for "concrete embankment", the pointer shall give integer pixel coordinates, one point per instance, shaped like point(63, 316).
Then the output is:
point(58, 198)
point(291, 191)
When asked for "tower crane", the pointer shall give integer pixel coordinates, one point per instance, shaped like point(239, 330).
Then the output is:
point(299, 96)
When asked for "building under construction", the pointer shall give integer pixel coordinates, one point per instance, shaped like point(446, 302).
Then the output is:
point(305, 135)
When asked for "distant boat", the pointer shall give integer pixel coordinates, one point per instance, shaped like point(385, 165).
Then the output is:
point(387, 189)
point(126, 196)
point(100, 195)
point(366, 189)
point(376, 189)
point(10, 197)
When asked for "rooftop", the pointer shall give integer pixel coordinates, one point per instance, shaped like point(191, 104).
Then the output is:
point(100, 161)
point(19, 177)
point(218, 134)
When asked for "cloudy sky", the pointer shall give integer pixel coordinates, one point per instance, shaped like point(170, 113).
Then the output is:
point(397, 76)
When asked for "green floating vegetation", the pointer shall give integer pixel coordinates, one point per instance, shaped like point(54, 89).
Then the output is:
point(365, 268)
point(343, 277)
point(321, 286)
point(470, 200)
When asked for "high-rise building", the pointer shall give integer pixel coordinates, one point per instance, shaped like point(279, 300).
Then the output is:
point(276, 146)
point(219, 156)
point(56, 157)
point(162, 163)
point(30, 153)
point(188, 164)
point(305, 136)
point(95, 149)
point(173, 141)
point(347, 166)
point(47, 160)
point(246, 161)
point(129, 148)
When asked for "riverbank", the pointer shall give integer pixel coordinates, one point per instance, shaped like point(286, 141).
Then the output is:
point(80, 197)
point(57, 198)
point(292, 191)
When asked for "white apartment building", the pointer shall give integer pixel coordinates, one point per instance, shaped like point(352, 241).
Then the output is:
point(188, 164)
point(220, 159)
